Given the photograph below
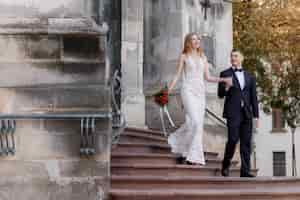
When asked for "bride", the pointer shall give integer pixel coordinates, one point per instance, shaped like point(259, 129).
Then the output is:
point(193, 68)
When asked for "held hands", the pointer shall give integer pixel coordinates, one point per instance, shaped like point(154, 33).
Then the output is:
point(228, 82)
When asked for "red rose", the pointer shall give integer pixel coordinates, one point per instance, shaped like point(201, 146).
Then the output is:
point(161, 98)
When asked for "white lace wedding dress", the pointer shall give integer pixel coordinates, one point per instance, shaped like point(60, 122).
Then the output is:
point(188, 139)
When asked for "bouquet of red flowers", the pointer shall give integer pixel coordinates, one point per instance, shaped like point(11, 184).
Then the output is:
point(161, 97)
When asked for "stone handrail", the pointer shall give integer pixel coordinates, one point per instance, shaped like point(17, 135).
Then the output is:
point(215, 116)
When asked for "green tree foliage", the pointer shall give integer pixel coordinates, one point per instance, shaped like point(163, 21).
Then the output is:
point(268, 33)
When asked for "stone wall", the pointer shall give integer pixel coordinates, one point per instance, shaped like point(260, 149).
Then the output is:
point(47, 163)
point(53, 61)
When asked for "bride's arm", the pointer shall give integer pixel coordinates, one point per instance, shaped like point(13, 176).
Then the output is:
point(180, 65)
point(210, 78)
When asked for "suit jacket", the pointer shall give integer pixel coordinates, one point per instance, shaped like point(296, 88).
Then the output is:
point(233, 97)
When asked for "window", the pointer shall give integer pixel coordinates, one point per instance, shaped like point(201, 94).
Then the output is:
point(279, 164)
point(278, 122)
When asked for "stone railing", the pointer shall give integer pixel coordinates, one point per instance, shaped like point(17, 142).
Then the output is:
point(118, 120)
point(88, 146)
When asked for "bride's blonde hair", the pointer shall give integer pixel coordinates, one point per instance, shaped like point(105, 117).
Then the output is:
point(188, 44)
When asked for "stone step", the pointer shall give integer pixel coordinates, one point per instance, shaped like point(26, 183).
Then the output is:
point(146, 147)
point(141, 147)
point(207, 194)
point(136, 137)
point(136, 158)
point(145, 131)
point(169, 170)
point(198, 182)
point(156, 158)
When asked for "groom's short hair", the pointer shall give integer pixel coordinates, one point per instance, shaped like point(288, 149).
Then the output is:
point(239, 53)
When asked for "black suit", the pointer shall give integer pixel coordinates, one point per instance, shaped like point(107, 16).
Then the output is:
point(239, 123)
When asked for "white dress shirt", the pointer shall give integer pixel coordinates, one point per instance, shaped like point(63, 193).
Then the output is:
point(241, 77)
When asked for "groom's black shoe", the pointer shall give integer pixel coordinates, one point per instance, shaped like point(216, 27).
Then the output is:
point(247, 175)
point(225, 172)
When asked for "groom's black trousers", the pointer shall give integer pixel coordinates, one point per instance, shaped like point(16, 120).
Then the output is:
point(239, 128)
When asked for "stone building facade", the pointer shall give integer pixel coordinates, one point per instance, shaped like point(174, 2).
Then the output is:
point(58, 57)
point(53, 62)
point(278, 142)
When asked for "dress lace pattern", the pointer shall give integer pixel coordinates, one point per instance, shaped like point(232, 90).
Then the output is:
point(188, 139)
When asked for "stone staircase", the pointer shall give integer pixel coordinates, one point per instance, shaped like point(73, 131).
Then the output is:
point(143, 168)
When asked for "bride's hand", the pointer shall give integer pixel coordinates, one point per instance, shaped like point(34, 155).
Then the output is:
point(228, 82)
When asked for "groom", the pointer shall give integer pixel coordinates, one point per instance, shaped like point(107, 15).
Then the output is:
point(240, 107)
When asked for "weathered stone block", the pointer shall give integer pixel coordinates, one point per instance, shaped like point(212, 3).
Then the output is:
point(62, 126)
point(16, 168)
point(59, 8)
point(74, 190)
point(27, 99)
point(42, 47)
point(103, 141)
point(46, 140)
point(41, 145)
point(59, 189)
point(96, 97)
point(29, 47)
point(63, 98)
point(41, 73)
point(83, 168)
point(14, 47)
point(35, 189)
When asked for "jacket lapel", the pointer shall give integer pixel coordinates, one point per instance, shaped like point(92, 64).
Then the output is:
point(236, 81)
point(247, 80)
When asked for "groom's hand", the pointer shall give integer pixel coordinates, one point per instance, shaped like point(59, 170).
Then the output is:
point(229, 84)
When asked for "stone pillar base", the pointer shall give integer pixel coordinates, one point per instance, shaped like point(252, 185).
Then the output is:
point(133, 108)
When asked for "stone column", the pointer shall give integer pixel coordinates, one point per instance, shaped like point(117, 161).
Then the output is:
point(224, 39)
point(133, 99)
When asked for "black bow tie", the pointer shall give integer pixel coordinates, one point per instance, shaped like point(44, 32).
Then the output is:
point(238, 70)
